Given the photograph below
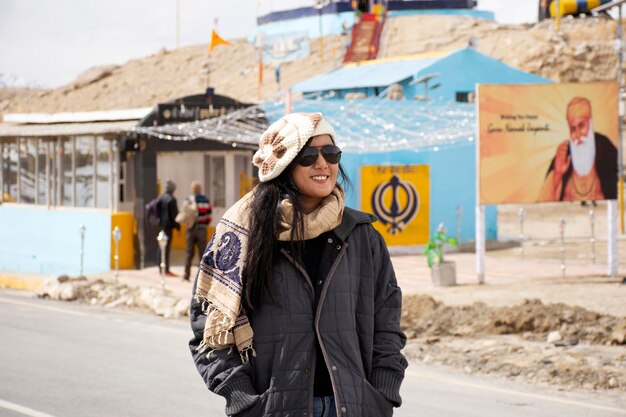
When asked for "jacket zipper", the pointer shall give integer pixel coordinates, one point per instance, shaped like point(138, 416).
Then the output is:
point(330, 275)
point(299, 268)
point(312, 293)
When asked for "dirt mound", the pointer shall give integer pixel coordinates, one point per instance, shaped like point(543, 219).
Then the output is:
point(574, 323)
point(17, 99)
point(165, 75)
point(581, 51)
point(424, 317)
point(553, 344)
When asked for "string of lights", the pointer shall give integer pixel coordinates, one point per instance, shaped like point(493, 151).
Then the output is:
point(373, 125)
point(239, 127)
point(365, 125)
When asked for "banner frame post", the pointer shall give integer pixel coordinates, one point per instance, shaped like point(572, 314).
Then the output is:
point(288, 101)
point(620, 152)
point(480, 243)
point(480, 209)
point(612, 249)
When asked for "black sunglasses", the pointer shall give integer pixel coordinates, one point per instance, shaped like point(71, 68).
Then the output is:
point(309, 154)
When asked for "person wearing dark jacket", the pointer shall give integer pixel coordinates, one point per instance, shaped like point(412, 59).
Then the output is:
point(196, 234)
point(296, 307)
point(168, 210)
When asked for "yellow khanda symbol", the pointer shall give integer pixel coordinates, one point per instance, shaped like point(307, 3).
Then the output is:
point(396, 216)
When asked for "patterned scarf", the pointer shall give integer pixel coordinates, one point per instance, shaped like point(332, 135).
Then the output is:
point(220, 287)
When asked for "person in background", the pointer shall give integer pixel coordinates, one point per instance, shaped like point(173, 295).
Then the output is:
point(196, 235)
point(296, 307)
point(168, 209)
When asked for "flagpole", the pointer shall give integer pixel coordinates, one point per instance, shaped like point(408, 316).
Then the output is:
point(215, 40)
point(211, 46)
point(259, 45)
point(260, 72)
point(208, 71)
point(177, 24)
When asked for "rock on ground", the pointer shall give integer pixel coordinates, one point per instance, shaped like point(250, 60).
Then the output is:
point(111, 295)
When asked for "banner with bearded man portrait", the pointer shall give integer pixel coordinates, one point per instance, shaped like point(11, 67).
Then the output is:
point(552, 142)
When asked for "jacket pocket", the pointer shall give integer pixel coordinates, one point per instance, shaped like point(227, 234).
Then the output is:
point(374, 404)
point(258, 408)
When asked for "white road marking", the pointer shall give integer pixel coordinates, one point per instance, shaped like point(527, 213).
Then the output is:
point(42, 307)
point(23, 410)
point(517, 393)
point(97, 316)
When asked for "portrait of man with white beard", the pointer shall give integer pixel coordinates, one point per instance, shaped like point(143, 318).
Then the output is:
point(585, 165)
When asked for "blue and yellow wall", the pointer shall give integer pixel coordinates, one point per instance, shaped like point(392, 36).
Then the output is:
point(452, 185)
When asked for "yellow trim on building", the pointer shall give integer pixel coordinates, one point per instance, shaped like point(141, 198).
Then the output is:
point(126, 223)
point(20, 283)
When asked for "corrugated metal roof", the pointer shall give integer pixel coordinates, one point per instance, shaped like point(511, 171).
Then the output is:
point(65, 129)
point(78, 117)
point(380, 73)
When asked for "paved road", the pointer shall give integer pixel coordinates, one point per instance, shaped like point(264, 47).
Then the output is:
point(68, 360)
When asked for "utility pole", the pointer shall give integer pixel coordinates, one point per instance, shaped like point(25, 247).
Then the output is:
point(319, 5)
point(259, 45)
point(615, 209)
point(620, 82)
point(177, 24)
point(619, 49)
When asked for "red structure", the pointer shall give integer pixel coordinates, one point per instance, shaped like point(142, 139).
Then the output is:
point(366, 34)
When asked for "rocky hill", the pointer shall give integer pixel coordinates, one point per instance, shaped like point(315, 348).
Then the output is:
point(581, 51)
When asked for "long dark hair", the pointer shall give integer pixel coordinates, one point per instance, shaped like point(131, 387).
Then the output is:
point(263, 246)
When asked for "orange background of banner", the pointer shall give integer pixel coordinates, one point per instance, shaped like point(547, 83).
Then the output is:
point(513, 165)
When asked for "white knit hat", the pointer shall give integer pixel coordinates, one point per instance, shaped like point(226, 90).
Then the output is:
point(284, 139)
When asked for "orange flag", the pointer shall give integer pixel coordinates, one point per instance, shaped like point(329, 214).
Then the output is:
point(216, 40)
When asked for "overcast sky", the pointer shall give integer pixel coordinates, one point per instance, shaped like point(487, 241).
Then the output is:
point(52, 41)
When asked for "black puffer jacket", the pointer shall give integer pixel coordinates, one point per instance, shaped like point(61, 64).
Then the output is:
point(168, 210)
point(357, 321)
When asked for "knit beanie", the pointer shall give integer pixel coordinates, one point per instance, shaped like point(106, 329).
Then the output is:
point(284, 139)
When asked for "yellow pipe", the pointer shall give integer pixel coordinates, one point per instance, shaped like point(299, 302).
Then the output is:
point(567, 7)
point(592, 4)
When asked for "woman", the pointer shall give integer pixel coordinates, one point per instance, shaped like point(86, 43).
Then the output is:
point(296, 309)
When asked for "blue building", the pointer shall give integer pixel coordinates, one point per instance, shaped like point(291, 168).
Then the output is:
point(439, 76)
point(434, 126)
point(330, 19)
point(389, 133)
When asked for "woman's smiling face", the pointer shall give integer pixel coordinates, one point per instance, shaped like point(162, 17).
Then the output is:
point(318, 180)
